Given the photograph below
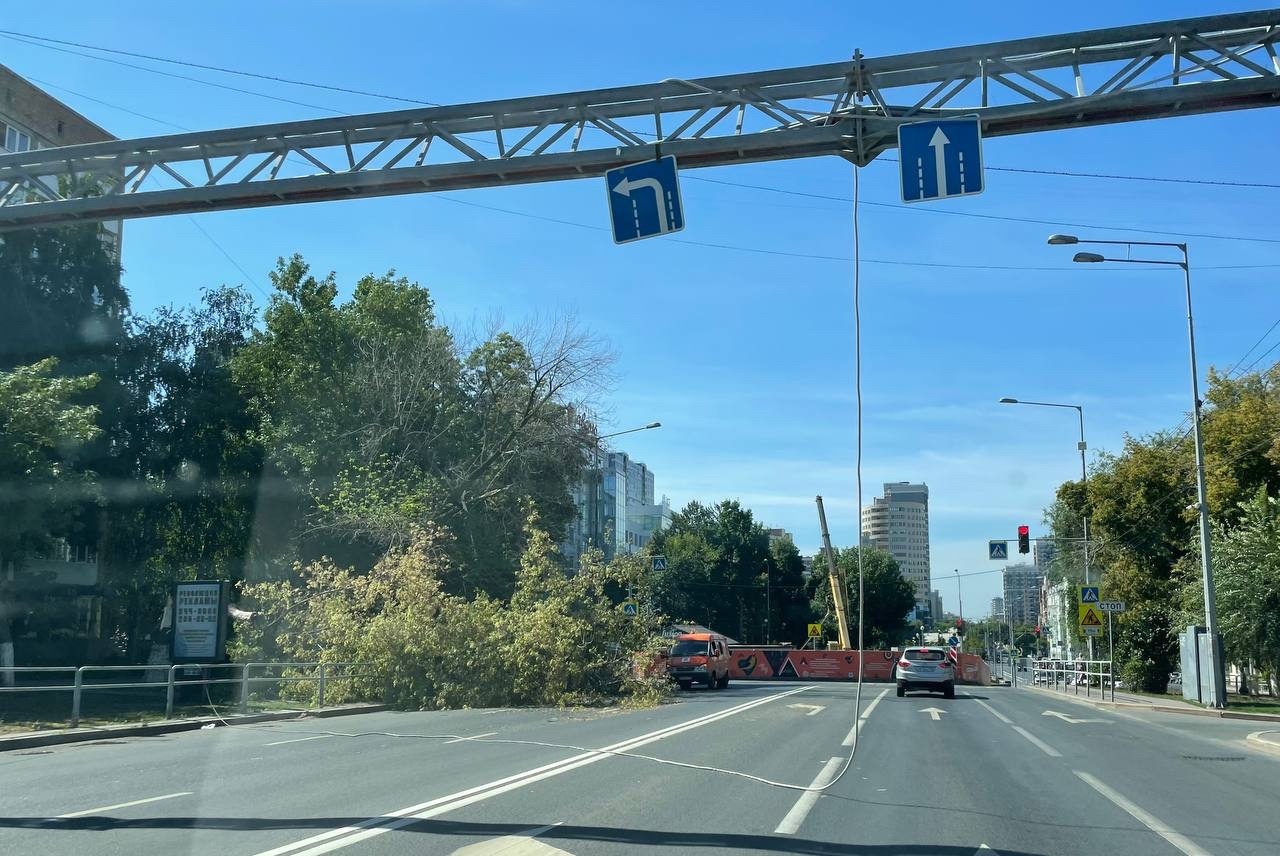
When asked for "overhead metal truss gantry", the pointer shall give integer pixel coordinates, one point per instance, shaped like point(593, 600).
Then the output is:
point(851, 109)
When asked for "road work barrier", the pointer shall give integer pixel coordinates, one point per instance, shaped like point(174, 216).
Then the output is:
point(774, 664)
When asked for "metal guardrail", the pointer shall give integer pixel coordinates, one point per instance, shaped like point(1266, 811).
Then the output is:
point(1068, 675)
point(323, 674)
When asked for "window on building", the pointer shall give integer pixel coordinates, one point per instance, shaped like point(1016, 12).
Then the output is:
point(15, 140)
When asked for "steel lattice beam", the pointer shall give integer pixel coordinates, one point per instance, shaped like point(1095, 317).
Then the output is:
point(851, 109)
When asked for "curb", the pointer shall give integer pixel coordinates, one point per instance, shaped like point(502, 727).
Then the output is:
point(1186, 710)
point(82, 735)
point(1270, 744)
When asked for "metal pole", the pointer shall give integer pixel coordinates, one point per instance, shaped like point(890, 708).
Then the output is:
point(1084, 480)
point(244, 688)
point(1111, 657)
point(75, 699)
point(168, 695)
point(959, 597)
point(320, 688)
point(1217, 695)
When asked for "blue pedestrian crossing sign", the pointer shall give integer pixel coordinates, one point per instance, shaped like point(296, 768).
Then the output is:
point(997, 549)
point(1088, 594)
point(644, 200)
point(659, 563)
point(630, 609)
point(940, 159)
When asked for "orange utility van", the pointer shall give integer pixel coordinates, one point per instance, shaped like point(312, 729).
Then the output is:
point(701, 658)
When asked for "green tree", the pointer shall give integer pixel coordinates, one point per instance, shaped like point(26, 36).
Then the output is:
point(381, 422)
point(789, 600)
point(1246, 574)
point(42, 432)
point(718, 561)
point(889, 597)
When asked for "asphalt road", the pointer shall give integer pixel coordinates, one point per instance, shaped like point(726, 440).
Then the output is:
point(1016, 771)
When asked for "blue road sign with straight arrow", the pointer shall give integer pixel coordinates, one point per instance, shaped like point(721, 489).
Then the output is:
point(940, 159)
point(644, 200)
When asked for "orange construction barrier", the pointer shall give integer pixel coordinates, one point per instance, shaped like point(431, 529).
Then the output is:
point(764, 664)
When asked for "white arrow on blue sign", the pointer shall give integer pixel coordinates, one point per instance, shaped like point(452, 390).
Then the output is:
point(644, 200)
point(997, 549)
point(940, 159)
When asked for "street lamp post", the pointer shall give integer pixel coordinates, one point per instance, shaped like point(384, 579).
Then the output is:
point(959, 598)
point(1217, 690)
point(1084, 478)
point(597, 518)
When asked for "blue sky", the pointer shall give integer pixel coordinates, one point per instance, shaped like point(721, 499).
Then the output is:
point(747, 359)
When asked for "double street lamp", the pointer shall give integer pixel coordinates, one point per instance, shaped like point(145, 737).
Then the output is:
point(1217, 690)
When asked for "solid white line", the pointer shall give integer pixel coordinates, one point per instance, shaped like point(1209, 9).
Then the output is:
point(997, 714)
point(297, 740)
point(372, 826)
point(472, 737)
point(791, 823)
point(1150, 821)
point(1043, 747)
point(853, 732)
point(89, 811)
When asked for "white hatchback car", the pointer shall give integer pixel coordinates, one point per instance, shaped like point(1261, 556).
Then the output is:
point(926, 668)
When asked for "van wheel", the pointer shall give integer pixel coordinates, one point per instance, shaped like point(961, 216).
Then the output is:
point(724, 682)
point(901, 690)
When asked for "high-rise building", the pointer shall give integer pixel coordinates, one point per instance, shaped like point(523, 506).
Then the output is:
point(779, 535)
point(31, 118)
point(997, 607)
point(1022, 594)
point(1042, 552)
point(935, 605)
point(616, 509)
point(898, 523)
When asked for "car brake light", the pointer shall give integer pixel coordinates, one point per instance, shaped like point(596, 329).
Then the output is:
point(945, 664)
point(906, 664)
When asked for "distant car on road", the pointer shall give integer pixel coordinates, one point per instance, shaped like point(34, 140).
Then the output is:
point(699, 658)
point(926, 668)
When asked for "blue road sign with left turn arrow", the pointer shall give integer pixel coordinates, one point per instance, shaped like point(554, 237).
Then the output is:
point(940, 159)
point(644, 200)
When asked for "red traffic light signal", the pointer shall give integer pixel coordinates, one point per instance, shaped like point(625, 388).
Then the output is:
point(1024, 539)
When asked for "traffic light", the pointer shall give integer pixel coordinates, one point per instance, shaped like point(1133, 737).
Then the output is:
point(1037, 631)
point(1024, 539)
point(959, 626)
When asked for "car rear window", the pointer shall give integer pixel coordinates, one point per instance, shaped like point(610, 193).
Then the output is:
point(924, 655)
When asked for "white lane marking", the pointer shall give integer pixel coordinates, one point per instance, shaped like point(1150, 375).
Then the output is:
point(389, 821)
point(791, 823)
point(997, 714)
point(935, 713)
point(100, 810)
point(297, 740)
point(852, 736)
point(521, 844)
point(1071, 719)
point(1150, 821)
point(1040, 744)
point(472, 737)
point(812, 708)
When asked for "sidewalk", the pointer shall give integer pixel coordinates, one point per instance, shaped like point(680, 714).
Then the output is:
point(1172, 705)
point(57, 736)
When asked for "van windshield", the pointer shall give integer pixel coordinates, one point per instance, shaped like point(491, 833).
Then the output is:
point(689, 648)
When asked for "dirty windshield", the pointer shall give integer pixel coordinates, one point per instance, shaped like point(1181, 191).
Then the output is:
point(689, 648)
point(396, 397)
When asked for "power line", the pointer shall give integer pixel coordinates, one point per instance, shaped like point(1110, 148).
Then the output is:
point(1231, 370)
point(222, 69)
point(974, 215)
point(178, 76)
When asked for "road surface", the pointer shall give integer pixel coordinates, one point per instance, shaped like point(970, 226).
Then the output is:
point(1016, 771)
